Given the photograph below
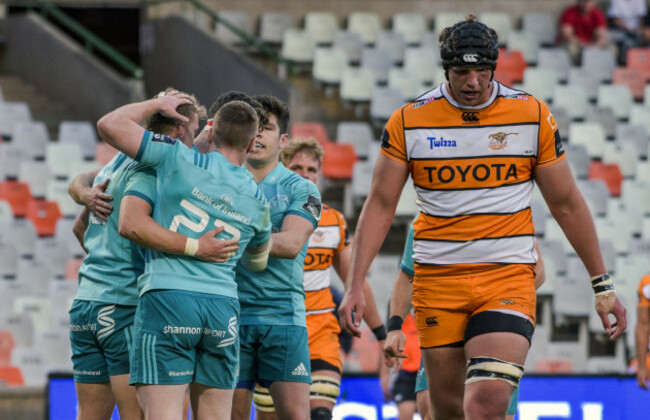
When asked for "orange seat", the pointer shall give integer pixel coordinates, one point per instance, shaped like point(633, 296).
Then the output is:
point(104, 152)
point(17, 194)
point(510, 67)
point(11, 376)
point(553, 366)
point(310, 129)
point(72, 268)
point(639, 58)
point(43, 215)
point(7, 344)
point(632, 78)
point(610, 173)
point(339, 160)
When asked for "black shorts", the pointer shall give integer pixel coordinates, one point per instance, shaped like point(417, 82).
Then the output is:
point(404, 386)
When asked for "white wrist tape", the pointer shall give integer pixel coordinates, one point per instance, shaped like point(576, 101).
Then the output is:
point(191, 247)
point(256, 262)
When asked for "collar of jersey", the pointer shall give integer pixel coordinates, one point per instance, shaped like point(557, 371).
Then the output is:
point(452, 101)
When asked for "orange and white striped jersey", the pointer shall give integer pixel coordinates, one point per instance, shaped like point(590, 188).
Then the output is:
point(643, 293)
point(331, 236)
point(472, 168)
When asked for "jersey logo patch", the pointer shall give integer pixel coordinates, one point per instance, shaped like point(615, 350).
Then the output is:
point(385, 139)
point(160, 138)
point(559, 147)
point(318, 236)
point(499, 140)
point(441, 142)
point(313, 206)
point(470, 118)
point(300, 370)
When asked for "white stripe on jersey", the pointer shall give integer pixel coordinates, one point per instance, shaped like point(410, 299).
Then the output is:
point(513, 250)
point(317, 279)
point(505, 199)
point(328, 237)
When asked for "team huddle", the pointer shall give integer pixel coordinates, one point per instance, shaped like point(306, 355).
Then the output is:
point(209, 255)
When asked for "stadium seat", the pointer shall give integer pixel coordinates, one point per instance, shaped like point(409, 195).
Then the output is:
point(43, 214)
point(36, 174)
point(640, 114)
point(366, 24)
point(624, 155)
point(61, 294)
point(617, 97)
point(556, 59)
point(31, 136)
point(338, 162)
point(636, 195)
point(634, 79)
point(59, 359)
point(11, 376)
point(298, 46)
point(357, 84)
point(72, 268)
point(412, 27)
point(11, 156)
point(510, 67)
point(501, 22)
point(634, 134)
point(540, 82)
point(31, 362)
point(543, 25)
point(350, 43)
point(23, 236)
point(629, 270)
point(238, 19)
point(384, 102)
point(563, 120)
point(406, 82)
point(570, 297)
point(589, 134)
point(8, 261)
point(7, 344)
point(6, 214)
point(328, 65)
point(35, 274)
point(59, 156)
point(526, 43)
point(420, 61)
point(53, 254)
point(361, 181)
point(81, 167)
point(608, 172)
point(357, 133)
point(596, 193)
point(20, 326)
point(392, 42)
point(64, 234)
point(442, 20)
point(104, 153)
point(321, 26)
point(82, 133)
point(310, 129)
point(539, 210)
point(616, 230)
point(378, 61)
point(38, 308)
point(407, 207)
point(273, 25)
point(600, 62)
point(573, 98)
point(57, 191)
point(581, 77)
point(639, 59)
point(10, 114)
point(603, 115)
point(617, 208)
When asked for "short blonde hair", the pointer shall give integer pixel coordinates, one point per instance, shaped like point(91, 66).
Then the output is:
point(307, 145)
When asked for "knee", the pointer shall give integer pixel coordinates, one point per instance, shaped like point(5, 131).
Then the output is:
point(478, 406)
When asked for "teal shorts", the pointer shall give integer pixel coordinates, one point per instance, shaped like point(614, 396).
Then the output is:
point(422, 385)
point(182, 337)
point(269, 353)
point(100, 334)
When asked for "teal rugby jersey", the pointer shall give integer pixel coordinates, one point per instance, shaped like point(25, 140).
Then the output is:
point(275, 296)
point(197, 193)
point(113, 264)
point(406, 265)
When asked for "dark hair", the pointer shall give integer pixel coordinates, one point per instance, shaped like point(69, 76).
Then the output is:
point(469, 43)
point(235, 125)
point(273, 105)
point(158, 123)
point(234, 95)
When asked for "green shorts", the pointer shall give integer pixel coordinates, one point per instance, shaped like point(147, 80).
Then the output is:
point(422, 385)
point(182, 337)
point(269, 353)
point(100, 335)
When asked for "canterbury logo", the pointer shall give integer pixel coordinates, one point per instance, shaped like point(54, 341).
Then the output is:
point(105, 321)
point(470, 116)
point(470, 58)
point(232, 330)
point(300, 370)
point(432, 321)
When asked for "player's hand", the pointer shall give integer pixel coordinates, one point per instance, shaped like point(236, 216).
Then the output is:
point(611, 304)
point(351, 311)
point(97, 201)
point(216, 250)
point(394, 349)
point(170, 101)
point(642, 378)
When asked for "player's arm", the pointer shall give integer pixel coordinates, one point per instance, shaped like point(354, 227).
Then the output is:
point(255, 258)
point(400, 304)
point(568, 207)
point(540, 269)
point(121, 127)
point(202, 142)
point(137, 225)
point(80, 225)
point(374, 222)
point(295, 232)
point(641, 343)
point(83, 192)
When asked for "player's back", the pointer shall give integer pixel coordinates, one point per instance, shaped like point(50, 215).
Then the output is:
point(197, 193)
point(109, 271)
point(275, 295)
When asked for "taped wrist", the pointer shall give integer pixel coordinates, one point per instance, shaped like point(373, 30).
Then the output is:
point(256, 262)
point(602, 284)
point(395, 323)
point(191, 247)
point(380, 332)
